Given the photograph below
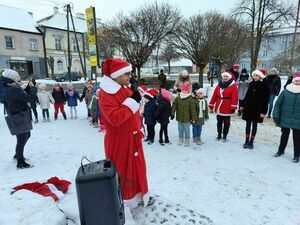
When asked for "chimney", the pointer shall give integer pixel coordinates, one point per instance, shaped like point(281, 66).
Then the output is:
point(55, 10)
point(80, 15)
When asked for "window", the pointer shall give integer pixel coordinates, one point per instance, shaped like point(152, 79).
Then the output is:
point(59, 65)
point(58, 43)
point(74, 44)
point(265, 53)
point(33, 44)
point(9, 42)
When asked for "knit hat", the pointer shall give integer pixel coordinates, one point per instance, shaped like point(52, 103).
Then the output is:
point(235, 66)
point(274, 71)
point(244, 70)
point(10, 74)
point(184, 73)
point(114, 68)
point(227, 74)
point(200, 91)
point(185, 88)
point(296, 77)
point(165, 94)
point(151, 93)
point(43, 86)
point(259, 73)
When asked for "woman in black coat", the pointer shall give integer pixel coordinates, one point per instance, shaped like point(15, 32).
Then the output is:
point(255, 106)
point(17, 101)
point(32, 91)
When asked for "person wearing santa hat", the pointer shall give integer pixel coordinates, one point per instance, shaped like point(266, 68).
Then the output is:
point(273, 83)
point(119, 106)
point(255, 106)
point(224, 102)
point(185, 110)
point(149, 114)
point(235, 71)
point(286, 115)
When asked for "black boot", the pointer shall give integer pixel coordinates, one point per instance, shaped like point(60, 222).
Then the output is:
point(219, 137)
point(246, 145)
point(23, 165)
point(296, 159)
point(250, 146)
point(278, 154)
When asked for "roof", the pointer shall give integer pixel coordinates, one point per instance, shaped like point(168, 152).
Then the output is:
point(17, 19)
point(59, 21)
point(284, 30)
point(181, 62)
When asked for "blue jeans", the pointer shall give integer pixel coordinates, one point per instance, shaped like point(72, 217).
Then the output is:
point(184, 130)
point(271, 101)
point(197, 128)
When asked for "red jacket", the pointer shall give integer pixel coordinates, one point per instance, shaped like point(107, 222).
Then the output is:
point(224, 100)
point(123, 138)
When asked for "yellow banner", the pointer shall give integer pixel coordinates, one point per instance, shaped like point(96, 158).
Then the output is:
point(92, 33)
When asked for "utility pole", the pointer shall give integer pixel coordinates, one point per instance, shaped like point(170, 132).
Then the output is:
point(294, 38)
point(67, 7)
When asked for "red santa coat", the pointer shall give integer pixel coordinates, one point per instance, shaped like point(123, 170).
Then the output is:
point(123, 139)
point(224, 100)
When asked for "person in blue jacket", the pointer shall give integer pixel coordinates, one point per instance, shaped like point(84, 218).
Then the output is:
point(72, 96)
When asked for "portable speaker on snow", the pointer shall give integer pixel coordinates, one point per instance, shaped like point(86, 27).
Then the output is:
point(99, 195)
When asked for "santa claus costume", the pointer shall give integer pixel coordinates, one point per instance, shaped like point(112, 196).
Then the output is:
point(123, 138)
point(224, 103)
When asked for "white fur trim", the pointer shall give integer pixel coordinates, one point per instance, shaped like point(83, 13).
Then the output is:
point(183, 95)
point(131, 104)
point(147, 93)
point(109, 85)
point(120, 72)
point(259, 73)
point(227, 75)
point(293, 88)
point(55, 191)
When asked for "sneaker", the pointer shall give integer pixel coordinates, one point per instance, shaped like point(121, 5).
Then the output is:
point(295, 159)
point(278, 154)
point(218, 137)
point(23, 165)
point(150, 202)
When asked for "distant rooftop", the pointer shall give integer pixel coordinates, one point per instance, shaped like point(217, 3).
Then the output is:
point(17, 19)
point(284, 30)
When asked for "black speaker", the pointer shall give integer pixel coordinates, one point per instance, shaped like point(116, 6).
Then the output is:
point(99, 195)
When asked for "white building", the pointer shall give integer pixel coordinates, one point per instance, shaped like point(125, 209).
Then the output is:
point(275, 43)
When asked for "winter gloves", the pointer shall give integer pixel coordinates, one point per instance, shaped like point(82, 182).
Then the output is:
point(136, 96)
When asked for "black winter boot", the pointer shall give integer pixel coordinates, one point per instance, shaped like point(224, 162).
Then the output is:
point(23, 165)
point(219, 137)
point(250, 146)
point(246, 145)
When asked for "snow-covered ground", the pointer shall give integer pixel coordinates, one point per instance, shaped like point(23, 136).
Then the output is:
point(222, 181)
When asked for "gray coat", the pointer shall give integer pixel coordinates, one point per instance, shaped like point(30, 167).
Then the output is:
point(243, 87)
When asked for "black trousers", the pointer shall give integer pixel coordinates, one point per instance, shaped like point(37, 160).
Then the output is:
point(151, 132)
point(248, 128)
point(21, 142)
point(163, 130)
point(45, 113)
point(223, 125)
point(35, 113)
point(285, 132)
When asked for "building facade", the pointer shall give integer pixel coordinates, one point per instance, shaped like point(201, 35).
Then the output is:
point(275, 50)
point(21, 43)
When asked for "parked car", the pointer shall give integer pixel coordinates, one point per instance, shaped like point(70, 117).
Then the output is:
point(74, 77)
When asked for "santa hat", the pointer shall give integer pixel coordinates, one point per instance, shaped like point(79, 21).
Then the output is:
point(166, 94)
point(151, 93)
point(200, 91)
point(259, 73)
point(235, 66)
point(142, 88)
point(263, 71)
point(227, 74)
point(114, 68)
point(296, 77)
point(186, 88)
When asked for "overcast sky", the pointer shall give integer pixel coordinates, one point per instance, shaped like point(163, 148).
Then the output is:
point(107, 9)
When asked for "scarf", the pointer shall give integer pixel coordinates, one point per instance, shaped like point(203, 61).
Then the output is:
point(202, 107)
point(226, 84)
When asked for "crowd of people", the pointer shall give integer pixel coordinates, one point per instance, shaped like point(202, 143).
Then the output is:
point(128, 112)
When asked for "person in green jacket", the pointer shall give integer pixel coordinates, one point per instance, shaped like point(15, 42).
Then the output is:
point(185, 110)
point(286, 115)
point(201, 113)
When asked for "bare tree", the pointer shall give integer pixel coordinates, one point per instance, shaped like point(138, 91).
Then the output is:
point(105, 43)
point(139, 33)
point(170, 52)
point(195, 39)
point(263, 15)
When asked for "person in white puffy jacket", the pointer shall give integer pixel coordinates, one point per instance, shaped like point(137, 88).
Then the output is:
point(45, 98)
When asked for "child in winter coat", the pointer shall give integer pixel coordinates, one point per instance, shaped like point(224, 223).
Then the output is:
point(183, 79)
point(72, 96)
point(60, 101)
point(224, 103)
point(162, 115)
point(88, 97)
point(45, 98)
point(93, 107)
point(149, 114)
point(32, 91)
point(202, 114)
point(185, 110)
point(243, 84)
point(255, 106)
